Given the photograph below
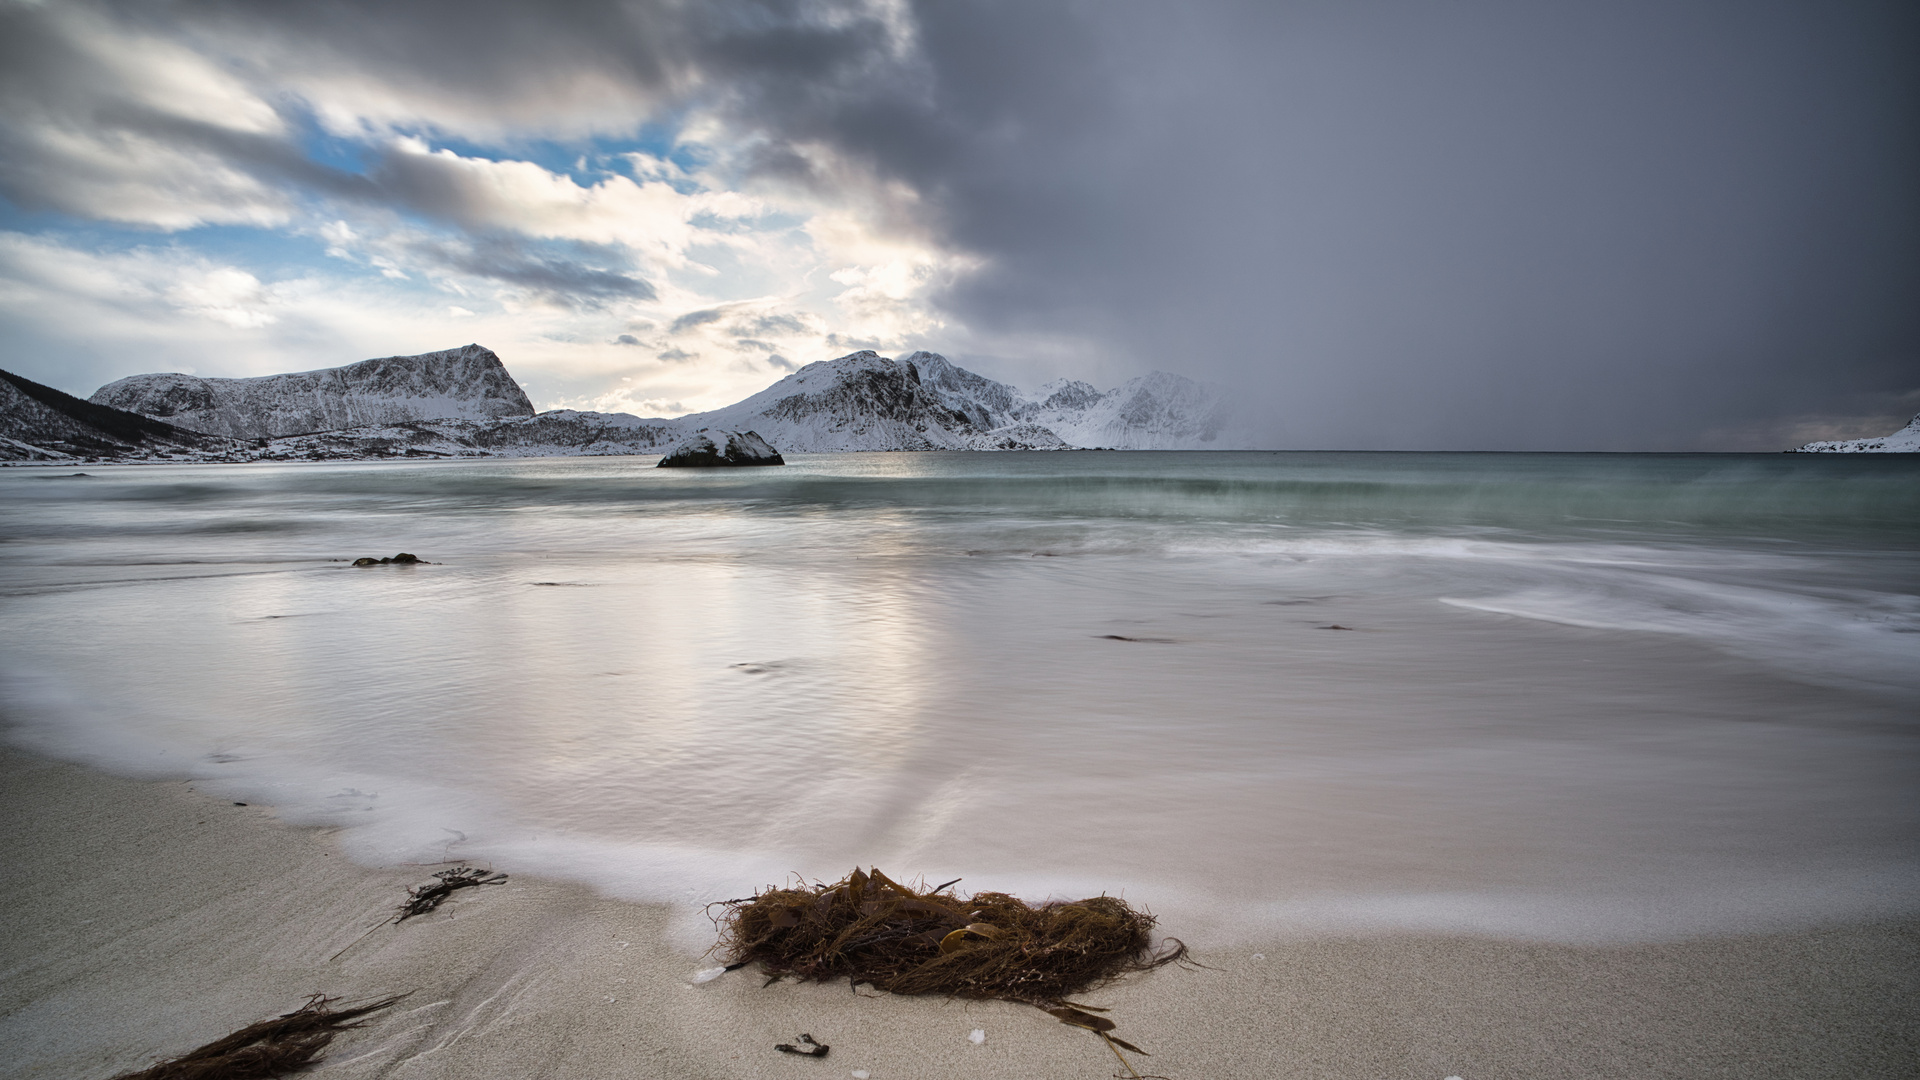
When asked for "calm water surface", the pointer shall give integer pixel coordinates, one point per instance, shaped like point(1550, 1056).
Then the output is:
point(1563, 697)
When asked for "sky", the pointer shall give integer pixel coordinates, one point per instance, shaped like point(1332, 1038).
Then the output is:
point(1620, 225)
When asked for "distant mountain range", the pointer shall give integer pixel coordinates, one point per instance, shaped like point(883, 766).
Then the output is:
point(463, 403)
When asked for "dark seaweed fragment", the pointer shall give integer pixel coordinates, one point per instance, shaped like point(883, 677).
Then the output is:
point(266, 1049)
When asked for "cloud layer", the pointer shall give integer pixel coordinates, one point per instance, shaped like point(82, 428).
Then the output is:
point(1484, 224)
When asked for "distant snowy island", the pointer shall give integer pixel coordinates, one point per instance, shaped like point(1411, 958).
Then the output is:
point(463, 403)
point(1904, 441)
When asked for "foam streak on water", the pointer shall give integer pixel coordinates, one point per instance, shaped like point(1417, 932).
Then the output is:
point(1581, 698)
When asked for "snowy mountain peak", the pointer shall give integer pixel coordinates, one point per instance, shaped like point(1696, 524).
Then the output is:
point(861, 401)
point(468, 383)
point(986, 402)
point(1065, 394)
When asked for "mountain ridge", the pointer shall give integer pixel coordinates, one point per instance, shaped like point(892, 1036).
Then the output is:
point(860, 401)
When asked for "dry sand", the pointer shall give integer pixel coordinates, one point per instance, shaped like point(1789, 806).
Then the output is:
point(143, 918)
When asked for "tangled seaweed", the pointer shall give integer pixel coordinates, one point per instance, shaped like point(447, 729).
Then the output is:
point(872, 929)
point(427, 897)
point(266, 1049)
point(868, 928)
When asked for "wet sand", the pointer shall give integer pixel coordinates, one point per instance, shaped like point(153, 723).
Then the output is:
point(144, 918)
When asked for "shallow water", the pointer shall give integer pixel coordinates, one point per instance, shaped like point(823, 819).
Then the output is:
point(1571, 697)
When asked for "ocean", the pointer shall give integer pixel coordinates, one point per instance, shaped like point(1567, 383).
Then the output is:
point(1580, 698)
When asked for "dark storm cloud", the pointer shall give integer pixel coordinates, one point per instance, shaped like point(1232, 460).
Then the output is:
point(1466, 225)
point(1481, 225)
point(1485, 224)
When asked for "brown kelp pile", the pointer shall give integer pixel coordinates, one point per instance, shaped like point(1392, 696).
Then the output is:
point(869, 928)
point(266, 1049)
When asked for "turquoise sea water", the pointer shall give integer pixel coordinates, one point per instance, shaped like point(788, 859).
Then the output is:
point(1573, 697)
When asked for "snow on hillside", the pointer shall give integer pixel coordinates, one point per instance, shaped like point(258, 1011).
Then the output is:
point(559, 433)
point(40, 423)
point(1904, 441)
point(1153, 412)
point(466, 383)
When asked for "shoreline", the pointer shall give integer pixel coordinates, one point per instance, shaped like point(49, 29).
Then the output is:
point(147, 918)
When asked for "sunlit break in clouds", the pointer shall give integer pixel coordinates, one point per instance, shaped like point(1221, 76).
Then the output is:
point(1393, 225)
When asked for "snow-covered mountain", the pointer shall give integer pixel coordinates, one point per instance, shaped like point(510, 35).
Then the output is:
point(921, 401)
point(1904, 441)
point(462, 403)
point(862, 401)
point(467, 383)
point(865, 401)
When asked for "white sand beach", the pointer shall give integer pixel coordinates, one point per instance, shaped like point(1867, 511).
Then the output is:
point(145, 918)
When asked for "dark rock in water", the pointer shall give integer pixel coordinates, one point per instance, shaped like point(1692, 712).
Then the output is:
point(401, 559)
point(710, 448)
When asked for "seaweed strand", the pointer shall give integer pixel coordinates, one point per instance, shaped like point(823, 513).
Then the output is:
point(266, 1049)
